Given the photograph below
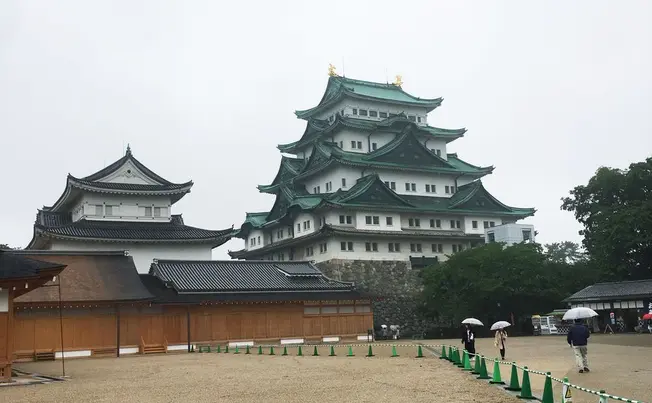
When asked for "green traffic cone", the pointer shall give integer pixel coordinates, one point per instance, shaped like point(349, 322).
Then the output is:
point(476, 366)
point(483, 370)
point(394, 354)
point(465, 356)
point(371, 352)
point(496, 379)
point(192, 348)
point(467, 362)
point(350, 353)
point(247, 350)
point(419, 352)
point(315, 353)
point(443, 353)
point(285, 350)
point(547, 390)
point(271, 350)
point(260, 350)
point(332, 353)
point(514, 386)
point(219, 349)
point(226, 349)
point(450, 353)
point(458, 358)
point(237, 350)
point(299, 352)
point(526, 389)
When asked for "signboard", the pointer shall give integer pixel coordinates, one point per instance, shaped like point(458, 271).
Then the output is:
point(566, 394)
point(612, 316)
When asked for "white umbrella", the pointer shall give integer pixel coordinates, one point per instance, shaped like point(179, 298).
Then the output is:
point(472, 321)
point(501, 324)
point(581, 312)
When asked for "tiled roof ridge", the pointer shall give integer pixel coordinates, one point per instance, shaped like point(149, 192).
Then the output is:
point(620, 282)
point(81, 181)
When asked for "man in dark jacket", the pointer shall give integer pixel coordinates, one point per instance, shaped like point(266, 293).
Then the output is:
point(578, 338)
point(468, 338)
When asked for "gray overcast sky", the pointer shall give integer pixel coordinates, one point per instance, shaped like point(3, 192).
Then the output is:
point(205, 90)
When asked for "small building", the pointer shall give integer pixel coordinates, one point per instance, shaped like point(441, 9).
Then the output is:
point(626, 300)
point(18, 275)
point(111, 309)
point(371, 179)
point(510, 234)
point(125, 206)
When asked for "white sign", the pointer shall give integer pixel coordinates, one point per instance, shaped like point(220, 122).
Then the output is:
point(566, 394)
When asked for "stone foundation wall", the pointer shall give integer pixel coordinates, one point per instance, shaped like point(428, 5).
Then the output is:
point(396, 283)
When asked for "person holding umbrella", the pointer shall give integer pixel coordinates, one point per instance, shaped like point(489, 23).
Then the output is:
point(468, 337)
point(578, 335)
point(501, 336)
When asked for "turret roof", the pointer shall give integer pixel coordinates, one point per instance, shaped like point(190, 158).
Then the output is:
point(128, 167)
point(341, 87)
point(60, 225)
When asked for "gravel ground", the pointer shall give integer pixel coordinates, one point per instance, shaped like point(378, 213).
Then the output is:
point(252, 378)
point(620, 364)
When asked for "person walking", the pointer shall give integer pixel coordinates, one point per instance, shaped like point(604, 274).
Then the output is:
point(499, 342)
point(578, 339)
point(468, 338)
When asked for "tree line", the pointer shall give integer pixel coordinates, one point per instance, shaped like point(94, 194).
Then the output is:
point(494, 282)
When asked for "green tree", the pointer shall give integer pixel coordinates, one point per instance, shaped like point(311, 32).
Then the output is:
point(492, 282)
point(615, 209)
point(564, 252)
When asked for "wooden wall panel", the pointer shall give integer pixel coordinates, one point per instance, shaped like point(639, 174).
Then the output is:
point(92, 329)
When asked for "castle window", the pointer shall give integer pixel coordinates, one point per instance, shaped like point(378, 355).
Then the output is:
point(412, 118)
point(355, 111)
point(382, 114)
point(389, 221)
point(394, 247)
point(374, 146)
point(363, 112)
point(373, 114)
point(474, 224)
point(415, 247)
point(343, 182)
point(371, 247)
point(108, 210)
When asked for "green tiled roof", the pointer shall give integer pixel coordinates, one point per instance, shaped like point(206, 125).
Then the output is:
point(405, 152)
point(317, 129)
point(370, 192)
point(289, 168)
point(340, 87)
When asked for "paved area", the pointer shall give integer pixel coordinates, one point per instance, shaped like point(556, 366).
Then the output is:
point(621, 364)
